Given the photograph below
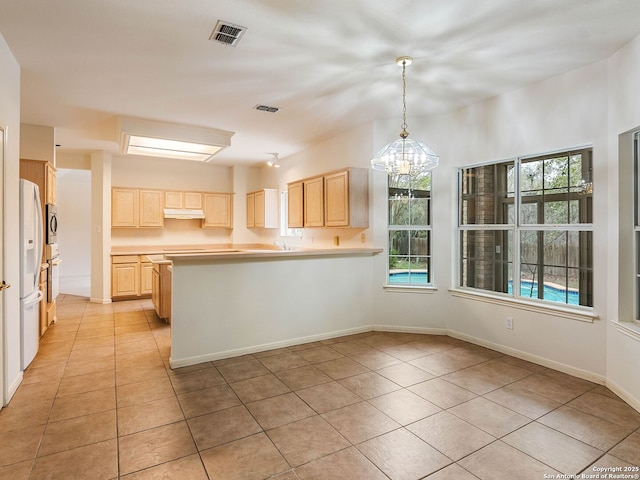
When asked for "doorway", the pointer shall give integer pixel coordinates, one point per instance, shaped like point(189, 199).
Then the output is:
point(73, 199)
point(2, 272)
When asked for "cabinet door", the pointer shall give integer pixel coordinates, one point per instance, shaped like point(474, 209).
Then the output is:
point(125, 211)
point(251, 211)
point(146, 278)
point(125, 278)
point(336, 199)
point(155, 288)
point(193, 200)
point(173, 200)
point(314, 202)
point(50, 193)
point(217, 210)
point(295, 205)
point(259, 209)
point(151, 211)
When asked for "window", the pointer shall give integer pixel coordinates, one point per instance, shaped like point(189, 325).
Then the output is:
point(636, 193)
point(285, 231)
point(409, 228)
point(525, 228)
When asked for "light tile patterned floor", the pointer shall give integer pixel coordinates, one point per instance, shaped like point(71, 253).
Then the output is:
point(100, 402)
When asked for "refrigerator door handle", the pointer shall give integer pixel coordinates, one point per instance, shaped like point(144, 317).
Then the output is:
point(39, 238)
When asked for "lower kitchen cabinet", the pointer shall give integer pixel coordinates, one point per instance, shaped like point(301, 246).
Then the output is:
point(161, 294)
point(146, 276)
point(131, 276)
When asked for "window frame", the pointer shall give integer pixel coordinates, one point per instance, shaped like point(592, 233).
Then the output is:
point(411, 227)
point(516, 228)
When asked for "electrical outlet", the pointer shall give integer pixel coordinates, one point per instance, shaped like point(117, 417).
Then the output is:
point(509, 324)
point(363, 238)
point(336, 241)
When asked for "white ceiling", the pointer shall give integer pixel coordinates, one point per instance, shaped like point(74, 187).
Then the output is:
point(329, 65)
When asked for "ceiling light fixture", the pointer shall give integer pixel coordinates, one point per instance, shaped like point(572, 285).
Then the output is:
point(166, 140)
point(274, 161)
point(405, 156)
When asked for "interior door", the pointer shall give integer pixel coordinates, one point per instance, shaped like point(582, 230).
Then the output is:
point(3, 285)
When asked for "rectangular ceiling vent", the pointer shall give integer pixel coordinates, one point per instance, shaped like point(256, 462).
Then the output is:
point(265, 108)
point(227, 33)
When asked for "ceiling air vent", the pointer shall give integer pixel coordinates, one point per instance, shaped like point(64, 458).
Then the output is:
point(265, 108)
point(227, 33)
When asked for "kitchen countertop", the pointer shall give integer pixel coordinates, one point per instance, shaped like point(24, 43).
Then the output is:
point(238, 254)
point(190, 253)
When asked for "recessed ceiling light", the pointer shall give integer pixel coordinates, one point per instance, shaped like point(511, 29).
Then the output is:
point(167, 140)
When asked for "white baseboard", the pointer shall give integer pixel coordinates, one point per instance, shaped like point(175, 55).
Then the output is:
point(545, 362)
point(623, 394)
point(185, 362)
point(11, 390)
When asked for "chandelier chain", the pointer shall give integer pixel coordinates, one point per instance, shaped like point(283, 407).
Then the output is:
point(404, 133)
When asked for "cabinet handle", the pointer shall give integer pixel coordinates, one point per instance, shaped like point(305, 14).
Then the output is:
point(4, 285)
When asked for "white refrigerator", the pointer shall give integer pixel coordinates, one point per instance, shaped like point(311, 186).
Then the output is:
point(31, 244)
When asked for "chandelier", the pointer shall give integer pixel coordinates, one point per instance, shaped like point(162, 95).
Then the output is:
point(405, 156)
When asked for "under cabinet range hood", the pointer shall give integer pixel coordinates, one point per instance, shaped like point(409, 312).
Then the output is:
point(183, 213)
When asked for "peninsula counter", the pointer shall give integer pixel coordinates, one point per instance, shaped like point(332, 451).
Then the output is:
point(237, 302)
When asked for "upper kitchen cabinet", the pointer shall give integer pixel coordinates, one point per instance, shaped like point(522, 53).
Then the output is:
point(346, 198)
point(295, 205)
point(218, 210)
point(262, 209)
point(186, 200)
point(313, 202)
point(132, 208)
point(151, 208)
point(335, 199)
point(43, 174)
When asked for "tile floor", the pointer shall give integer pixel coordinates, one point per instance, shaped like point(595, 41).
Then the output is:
point(100, 402)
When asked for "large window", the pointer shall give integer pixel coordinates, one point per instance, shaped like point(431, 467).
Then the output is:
point(410, 230)
point(525, 228)
point(636, 193)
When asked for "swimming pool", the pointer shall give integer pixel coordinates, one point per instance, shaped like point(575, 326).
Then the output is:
point(527, 289)
point(408, 278)
point(551, 293)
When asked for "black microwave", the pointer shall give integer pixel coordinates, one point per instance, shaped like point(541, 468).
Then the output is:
point(52, 224)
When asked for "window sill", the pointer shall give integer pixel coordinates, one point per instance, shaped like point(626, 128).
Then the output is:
point(630, 329)
point(583, 314)
point(409, 289)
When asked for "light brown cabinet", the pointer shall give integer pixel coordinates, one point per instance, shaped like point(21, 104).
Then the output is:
point(188, 200)
point(262, 209)
point(314, 202)
point(218, 210)
point(295, 205)
point(125, 210)
point(125, 276)
point(151, 208)
point(146, 276)
point(43, 174)
point(133, 208)
point(335, 199)
point(346, 198)
point(161, 294)
point(131, 276)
